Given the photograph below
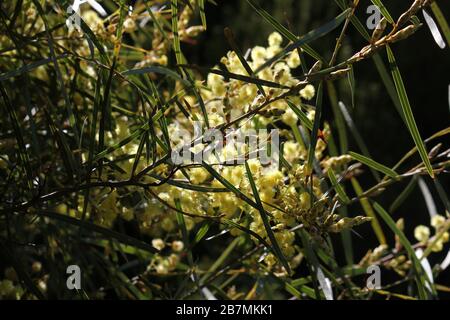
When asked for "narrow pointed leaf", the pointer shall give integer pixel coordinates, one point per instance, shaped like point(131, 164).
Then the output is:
point(411, 122)
point(383, 10)
point(419, 273)
point(339, 189)
point(201, 5)
point(283, 30)
point(315, 131)
point(373, 164)
point(265, 219)
point(310, 36)
point(357, 135)
point(301, 115)
point(176, 36)
point(367, 207)
point(441, 20)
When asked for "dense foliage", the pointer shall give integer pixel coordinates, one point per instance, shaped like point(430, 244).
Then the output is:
point(103, 121)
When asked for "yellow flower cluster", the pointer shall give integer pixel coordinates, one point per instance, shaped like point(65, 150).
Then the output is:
point(165, 264)
point(422, 233)
point(285, 192)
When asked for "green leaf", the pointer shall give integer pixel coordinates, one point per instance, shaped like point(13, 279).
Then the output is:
point(98, 229)
point(229, 75)
point(339, 189)
point(135, 134)
point(283, 30)
point(354, 20)
point(367, 207)
point(229, 249)
point(184, 232)
point(199, 98)
point(201, 233)
point(62, 87)
point(315, 130)
point(383, 10)
point(351, 82)
point(176, 36)
point(441, 21)
point(105, 117)
point(139, 153)
point(381, 68)
point(442, 194)
point(388, 83)
point(373, 164)
point(129, 284)
point(155, 21)
point(23, 154)
point(420, 276)
point(157, 69)
point(346, 238)
point(404, 101)
point(228, 185)
point(357, 136)
point(301, 115)
point(310, 36)
point(90, 35)
point(290, 288)
point(230, 37)
point(276, 248)
point(241, 196)
point(27, 68)
point(232, 224)
point(66, 153)
point(123, 248)
point(188, 186)
point(411, 152)
point(201, 5)
point(403, 195)
point(340, 124)
point(313, 262)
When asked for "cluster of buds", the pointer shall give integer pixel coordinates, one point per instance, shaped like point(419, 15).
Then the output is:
point(165, 264)
point(373, 256)
point(441, 226)
point(411, 11)
point(336, 224)
point(370, 49)
point(399, 264)
point(335, 163)
point(339, 74)
point(395, 35)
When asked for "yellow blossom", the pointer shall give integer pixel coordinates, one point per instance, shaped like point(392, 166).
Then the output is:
point(275, 39)
point(422, 233)
point(158, 244)
point(437, 221)
point(308, 92)
point(293, 60)
point(289, 117)
point(177, 246)
point(258, 54)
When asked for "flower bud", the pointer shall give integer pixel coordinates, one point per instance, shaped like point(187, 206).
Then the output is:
point(379, 29)
point(338, 74)
point(158, 244)
point(402, 34)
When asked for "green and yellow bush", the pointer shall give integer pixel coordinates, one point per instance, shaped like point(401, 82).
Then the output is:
point(94, 107)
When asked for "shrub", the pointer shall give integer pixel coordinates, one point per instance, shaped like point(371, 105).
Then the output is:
point(161, 179)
